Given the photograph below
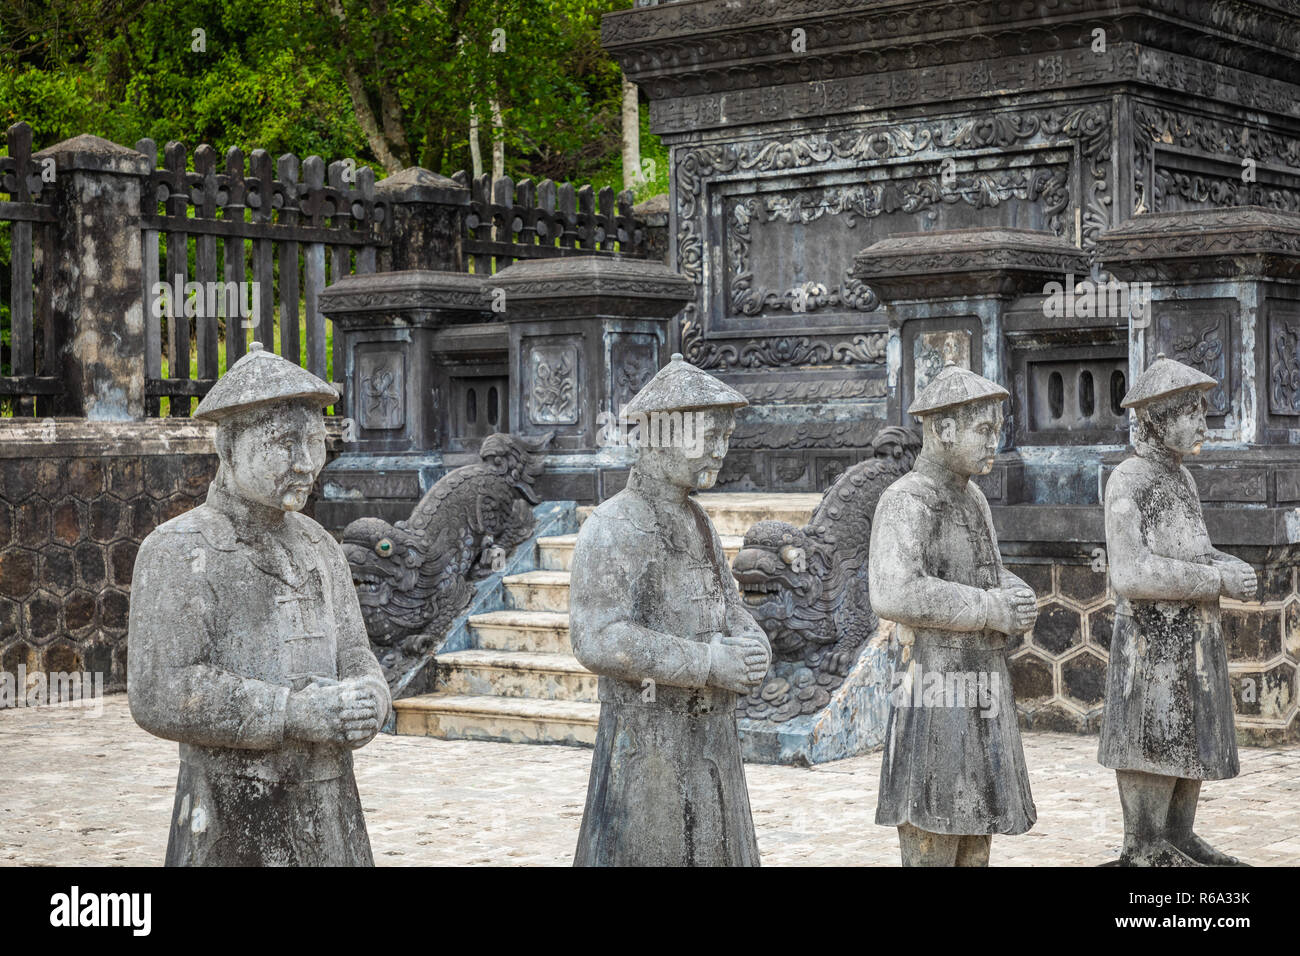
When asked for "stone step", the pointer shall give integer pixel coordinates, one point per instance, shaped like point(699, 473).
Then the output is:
point(494, 673)
point(537, 632)
point(519, 720)
point(538, 590)
point(555, 553)
point(733, 513)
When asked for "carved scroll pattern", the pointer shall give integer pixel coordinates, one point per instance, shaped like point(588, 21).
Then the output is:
point(1284, 362)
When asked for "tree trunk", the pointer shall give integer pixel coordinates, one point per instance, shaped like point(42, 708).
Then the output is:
point(380, 143)
point(632, 174)
point(475, 151)
point(498, 142)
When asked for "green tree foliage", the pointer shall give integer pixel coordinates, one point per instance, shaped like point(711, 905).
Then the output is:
point(390, 82)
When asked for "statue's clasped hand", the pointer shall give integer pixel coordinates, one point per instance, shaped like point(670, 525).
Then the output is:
point(1011, 611)
point(737, 663)
point(1238, 580)
point(333, 712)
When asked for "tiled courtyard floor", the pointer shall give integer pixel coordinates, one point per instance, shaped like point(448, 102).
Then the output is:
point(83, 790)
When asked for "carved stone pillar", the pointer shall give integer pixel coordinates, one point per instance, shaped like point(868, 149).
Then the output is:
point(585, 334)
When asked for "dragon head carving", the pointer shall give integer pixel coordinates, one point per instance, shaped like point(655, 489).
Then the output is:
point(414, 577)
point(780, 569)
point(395, 583)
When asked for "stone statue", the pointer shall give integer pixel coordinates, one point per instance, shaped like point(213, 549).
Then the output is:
point(807, 587)
point(413, 578)
point(1168, 722)
point(247, 644)
point(654, 612)
point(954, 769)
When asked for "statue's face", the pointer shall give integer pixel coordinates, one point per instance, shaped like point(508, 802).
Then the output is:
point(966, 438)
point(1179, 421)
point(694, 463)
point(273, 457)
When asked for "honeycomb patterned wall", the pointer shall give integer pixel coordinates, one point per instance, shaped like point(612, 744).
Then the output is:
point(69, 530)
point(1058, 670)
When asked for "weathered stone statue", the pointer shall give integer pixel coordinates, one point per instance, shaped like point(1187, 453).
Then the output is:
point(413, 578)
point(807, 587)
point(247, 644)
point(654, 612)
point(1168, 722)
point(954, 769)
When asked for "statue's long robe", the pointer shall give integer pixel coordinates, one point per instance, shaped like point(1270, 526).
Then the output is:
point(953, 764)
point(650, 584)
point(221, 629)
point(1168, 698)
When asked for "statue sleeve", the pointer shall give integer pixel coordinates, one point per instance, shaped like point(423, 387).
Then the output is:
point(605, 637)
point(902, 589)
point(1138, 573)
point(174, 692)
point(355, 658)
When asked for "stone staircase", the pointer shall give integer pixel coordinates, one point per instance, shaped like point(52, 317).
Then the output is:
point(519, 682)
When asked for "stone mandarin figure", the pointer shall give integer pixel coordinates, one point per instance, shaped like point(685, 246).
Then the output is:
point(655, 612)
point(954, 769)
point(1168, 721)
point(247, 644)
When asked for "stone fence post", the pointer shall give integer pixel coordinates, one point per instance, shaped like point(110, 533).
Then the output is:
point(428, 211)
point(97, 277)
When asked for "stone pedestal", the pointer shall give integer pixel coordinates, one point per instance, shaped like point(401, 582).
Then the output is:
point(585, 333)
point(974, 296)
point(388, 321)
point(1225, 290)
point(408, 385)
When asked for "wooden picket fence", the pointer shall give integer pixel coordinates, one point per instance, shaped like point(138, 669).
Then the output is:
point(32, 347)
point(303, 226)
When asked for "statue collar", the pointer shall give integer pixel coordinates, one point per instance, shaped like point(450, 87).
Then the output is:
point(939, 473)
point(656, 489)
point(247, 516)
point(1157, 453)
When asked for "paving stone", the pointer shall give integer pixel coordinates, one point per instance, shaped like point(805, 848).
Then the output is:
point(83, 790)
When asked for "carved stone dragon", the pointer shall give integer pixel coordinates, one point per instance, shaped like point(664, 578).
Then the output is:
point(413, 578)
point(807, 586)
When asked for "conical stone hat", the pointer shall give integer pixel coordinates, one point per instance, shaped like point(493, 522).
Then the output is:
point(261, 377)
point(679, 386)
point(954, 386)
point(1164, 377)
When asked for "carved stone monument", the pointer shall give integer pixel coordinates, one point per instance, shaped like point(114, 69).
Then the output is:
point(1168, 722)
point(654, 612)
point(414, 577)
point(954, 769)
point(247, 644)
